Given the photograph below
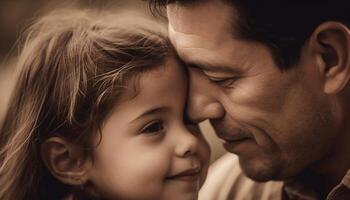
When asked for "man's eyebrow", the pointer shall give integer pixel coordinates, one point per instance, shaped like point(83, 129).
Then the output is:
point(151, 111)
point(204, 66)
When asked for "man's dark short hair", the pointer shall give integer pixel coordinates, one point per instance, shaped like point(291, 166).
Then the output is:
point(282, 25)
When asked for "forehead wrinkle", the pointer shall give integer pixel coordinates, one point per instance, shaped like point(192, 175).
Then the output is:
point(189, 18)
point(192, 47)
point(187, 40)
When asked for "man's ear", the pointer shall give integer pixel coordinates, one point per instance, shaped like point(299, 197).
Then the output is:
point(331, 41)
point(65, 161)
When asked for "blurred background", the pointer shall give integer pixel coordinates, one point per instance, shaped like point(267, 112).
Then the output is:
point(16, 15)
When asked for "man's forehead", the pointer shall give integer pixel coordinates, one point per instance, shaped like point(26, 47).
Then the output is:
point(187, 40)
point(199, 27)
point(201, 18)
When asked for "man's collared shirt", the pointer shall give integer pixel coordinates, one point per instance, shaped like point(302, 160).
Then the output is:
point(226, 181)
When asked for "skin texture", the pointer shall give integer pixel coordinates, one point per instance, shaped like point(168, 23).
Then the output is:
point(140, 150)
point(279, 123)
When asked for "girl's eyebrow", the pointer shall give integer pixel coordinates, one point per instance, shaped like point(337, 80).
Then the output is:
point(150, 111)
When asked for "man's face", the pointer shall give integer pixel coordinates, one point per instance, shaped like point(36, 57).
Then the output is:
point(278, 123)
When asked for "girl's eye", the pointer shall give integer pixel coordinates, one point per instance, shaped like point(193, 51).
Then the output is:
point(153, 127)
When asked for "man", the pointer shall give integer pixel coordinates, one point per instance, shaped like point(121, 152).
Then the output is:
point(273, 79)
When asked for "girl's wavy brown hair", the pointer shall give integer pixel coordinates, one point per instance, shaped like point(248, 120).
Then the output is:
point(74, 65)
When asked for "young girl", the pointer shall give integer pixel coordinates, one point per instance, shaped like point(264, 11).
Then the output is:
point(98, 113)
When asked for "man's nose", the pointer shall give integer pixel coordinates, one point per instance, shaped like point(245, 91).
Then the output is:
point(203, 100)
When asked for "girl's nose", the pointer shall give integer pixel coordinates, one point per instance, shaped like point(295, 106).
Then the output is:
point(187, 144)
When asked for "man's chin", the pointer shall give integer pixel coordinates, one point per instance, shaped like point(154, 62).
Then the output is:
point(260, 171)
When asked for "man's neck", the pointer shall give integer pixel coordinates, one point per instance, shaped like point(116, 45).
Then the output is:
point(334, 166)
point(307, 183)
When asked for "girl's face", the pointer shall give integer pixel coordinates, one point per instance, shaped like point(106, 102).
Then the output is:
point(146, 151)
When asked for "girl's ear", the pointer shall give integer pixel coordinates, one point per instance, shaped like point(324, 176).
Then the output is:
point(331, 41)
point(65, 161)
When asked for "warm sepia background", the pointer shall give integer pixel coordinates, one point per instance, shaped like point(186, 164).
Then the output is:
point(15, 15)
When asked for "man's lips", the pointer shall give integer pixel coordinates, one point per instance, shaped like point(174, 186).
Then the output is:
point(238, 145)
point(234, 138)
point(231, 134)
point(192, 174)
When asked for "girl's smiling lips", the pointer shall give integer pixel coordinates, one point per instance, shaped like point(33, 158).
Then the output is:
point(192, 174)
